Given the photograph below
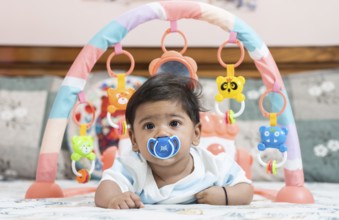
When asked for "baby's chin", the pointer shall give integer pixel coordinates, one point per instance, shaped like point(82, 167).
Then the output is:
point(163, 162)
point(179, 158)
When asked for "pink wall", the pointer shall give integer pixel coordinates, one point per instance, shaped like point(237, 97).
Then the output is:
point(74, 22)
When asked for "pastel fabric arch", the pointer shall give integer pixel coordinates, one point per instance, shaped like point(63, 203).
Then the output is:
point(117, 29)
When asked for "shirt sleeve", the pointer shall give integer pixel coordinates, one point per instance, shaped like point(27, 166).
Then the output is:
point(120, 175)
point(223, 167)
point(229, 171)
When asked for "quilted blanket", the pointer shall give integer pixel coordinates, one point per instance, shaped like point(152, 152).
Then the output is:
point(14, 206)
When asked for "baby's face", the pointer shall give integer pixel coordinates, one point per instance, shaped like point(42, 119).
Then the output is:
point(159, 119)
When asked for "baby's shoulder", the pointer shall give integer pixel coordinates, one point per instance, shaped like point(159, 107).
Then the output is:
point(207, 158)
point(204, 153)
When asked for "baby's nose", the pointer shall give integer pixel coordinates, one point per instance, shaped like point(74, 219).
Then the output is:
point(162, 132)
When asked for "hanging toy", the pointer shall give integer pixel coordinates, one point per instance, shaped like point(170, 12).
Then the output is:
point(83, 145)
point(231, 86)
point(119, 97)
point(272, 136)
point(173, 61)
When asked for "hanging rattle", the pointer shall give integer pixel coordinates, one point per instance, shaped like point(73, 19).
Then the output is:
point(119, 97)
point(173, 61)
point(231, 86)
point(82, 145)
point(272, 136)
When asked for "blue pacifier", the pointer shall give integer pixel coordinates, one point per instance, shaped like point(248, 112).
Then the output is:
point(163, 147)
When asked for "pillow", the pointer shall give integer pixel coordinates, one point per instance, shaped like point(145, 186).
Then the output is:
point(315, 99)
point(24, 108)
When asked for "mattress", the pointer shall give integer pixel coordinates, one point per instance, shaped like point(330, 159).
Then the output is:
point(13, 205)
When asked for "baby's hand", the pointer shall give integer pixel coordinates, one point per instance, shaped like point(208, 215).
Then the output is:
point(125, 200)
point(214, 195)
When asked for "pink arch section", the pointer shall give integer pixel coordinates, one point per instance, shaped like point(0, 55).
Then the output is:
point(111, 35)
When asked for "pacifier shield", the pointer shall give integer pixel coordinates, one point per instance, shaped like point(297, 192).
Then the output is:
point(163, 147)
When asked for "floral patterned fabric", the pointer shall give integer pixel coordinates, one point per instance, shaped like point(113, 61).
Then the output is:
point(14, 206)
point(25, 103)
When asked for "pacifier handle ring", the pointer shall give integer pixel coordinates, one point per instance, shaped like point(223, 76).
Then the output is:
point(261, 100)
point(235, 115)
point(110, 57)
point(74, 111)
point(79, 174)
point(242, 53)
point(167, 32)
point(154, 141)
point(261, 162)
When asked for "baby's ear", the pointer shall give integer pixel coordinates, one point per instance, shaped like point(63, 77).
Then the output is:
point(197, 134)
point(135, 147)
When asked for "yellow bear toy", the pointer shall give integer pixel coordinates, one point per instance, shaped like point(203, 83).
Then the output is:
point(230, 87)
point(118, 99)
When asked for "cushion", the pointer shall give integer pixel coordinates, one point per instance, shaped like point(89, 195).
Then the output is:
point(24, 107)
point(315, 99)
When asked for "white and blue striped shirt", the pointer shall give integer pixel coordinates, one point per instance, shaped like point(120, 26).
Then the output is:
point(132, 173)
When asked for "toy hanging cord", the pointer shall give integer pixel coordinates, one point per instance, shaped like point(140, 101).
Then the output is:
point(119, 97)
point(82, 145)
point(231, 86)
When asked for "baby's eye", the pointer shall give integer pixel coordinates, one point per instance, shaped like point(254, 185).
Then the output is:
point(174, 123)
point(149, 126)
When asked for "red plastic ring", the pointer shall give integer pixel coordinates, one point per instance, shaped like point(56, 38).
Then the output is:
point(263, 111)
point(169, 31)
point(74, 111)
point(242, 53)
point(108, 63)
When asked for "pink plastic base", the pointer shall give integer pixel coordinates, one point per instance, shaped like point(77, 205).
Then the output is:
point(40, 190)
point(290, 194)
point(295, 194)
point(44, 190)
point(266, 193)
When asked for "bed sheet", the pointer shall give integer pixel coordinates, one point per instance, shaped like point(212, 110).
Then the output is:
point(14, 206)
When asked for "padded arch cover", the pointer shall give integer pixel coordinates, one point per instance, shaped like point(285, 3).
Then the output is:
point(116, 30)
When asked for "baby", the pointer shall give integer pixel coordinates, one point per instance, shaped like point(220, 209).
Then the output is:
point(164, 165)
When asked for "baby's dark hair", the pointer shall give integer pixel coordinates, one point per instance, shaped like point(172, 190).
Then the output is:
point(166, 86)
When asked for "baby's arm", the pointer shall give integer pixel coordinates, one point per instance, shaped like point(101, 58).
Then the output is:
point(109, 195)
point(239, 194)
